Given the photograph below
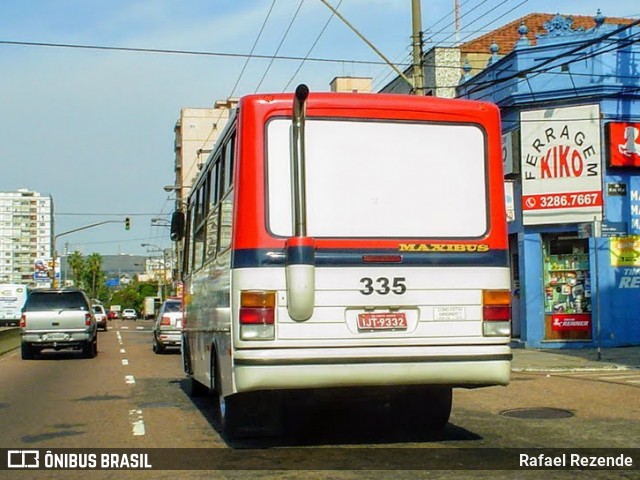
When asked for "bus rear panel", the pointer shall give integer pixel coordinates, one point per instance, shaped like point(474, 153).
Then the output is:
point(401, 277)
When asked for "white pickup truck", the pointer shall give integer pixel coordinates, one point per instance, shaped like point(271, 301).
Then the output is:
point(58, 318)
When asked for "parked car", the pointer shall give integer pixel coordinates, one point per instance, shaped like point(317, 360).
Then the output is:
point(101, 316)
point(167, 328)
point(129, 314)
point(112, 314)
point(58, 319)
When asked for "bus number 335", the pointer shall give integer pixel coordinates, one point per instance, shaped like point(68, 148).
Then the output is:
point(383, 285)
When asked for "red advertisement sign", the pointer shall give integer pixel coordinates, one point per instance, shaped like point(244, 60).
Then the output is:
point(624, 144)
point(565, 322)
point(562, 200)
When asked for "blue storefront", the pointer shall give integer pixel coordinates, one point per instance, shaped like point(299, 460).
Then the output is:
point(571, 129)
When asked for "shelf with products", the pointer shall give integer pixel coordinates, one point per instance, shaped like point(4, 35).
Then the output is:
point(567, 288)
point(567, 283)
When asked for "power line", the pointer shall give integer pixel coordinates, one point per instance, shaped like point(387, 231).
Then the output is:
point(494, 20)
point(312, 47)
point(537, 69)
point(189, 52)
point(104, 214)
point(585, 56)
point(279, 45)
point(478, 5)
point(255, 43)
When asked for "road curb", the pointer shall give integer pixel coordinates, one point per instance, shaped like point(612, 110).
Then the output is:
point(9, 339)
point(604, 368)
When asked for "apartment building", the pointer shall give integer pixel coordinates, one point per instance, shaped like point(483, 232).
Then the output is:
point(196, 131)
point(26, 237)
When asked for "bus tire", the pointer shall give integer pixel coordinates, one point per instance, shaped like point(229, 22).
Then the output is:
point(423, 407)
point(229, 413)
point(196, 389)
point(185, 353)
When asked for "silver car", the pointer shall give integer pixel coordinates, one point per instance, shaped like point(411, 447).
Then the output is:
point(58, 318)
point(167, 328)
point(101, 316)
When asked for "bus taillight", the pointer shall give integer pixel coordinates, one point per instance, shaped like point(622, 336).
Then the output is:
point(257, 315)
point(496, 313)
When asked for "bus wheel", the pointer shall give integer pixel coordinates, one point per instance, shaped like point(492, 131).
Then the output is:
point(229, 414)
point(426, 408)
point(250, 414)
point(196, 389)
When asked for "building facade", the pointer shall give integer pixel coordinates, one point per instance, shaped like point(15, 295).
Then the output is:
point(570, 107)
point(26, 238)
point(441, 67)
point(195, 133)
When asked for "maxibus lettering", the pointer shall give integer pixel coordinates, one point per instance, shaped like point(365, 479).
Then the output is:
point(442, 247)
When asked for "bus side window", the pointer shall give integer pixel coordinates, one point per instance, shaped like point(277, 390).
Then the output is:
point(226, 219)
point(199, 231)
point(215, 180)
point(186, 243)
point(229, 152)
point(212, 233)
point(226, 204)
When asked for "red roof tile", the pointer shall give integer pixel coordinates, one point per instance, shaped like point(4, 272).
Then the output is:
point(507, 36)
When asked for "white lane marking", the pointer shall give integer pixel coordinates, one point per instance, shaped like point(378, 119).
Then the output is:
point(615, 377)
point(122, 350)
point(135, 417)
point(139, 328)
point(124, 328)
point(129, 379)
point(125, 361)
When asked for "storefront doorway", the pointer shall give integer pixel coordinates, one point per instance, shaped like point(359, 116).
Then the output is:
point(567, 288)
point(515, 286)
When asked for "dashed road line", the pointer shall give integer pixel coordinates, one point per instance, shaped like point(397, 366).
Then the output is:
point(125, 361)
point(129, 380)
point(135, 417)
point(622, 377)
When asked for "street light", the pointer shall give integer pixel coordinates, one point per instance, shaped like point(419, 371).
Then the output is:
point(164, 266)
point(160, 222)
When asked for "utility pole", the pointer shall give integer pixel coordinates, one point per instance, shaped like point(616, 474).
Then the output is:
point(54, 280)
point(416, 38)
point(365, 40)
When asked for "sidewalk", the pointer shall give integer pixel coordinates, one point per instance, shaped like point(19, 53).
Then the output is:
point(584, 359)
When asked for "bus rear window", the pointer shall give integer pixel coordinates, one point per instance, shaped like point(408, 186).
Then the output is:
point(375, 179)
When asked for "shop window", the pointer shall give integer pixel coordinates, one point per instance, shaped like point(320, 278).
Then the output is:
point(567, 285)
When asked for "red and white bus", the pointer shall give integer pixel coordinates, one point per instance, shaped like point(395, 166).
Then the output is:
point(338, 241)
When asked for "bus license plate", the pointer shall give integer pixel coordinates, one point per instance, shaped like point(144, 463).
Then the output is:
point(382, 321)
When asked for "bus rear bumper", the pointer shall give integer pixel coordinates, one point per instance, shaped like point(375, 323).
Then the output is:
point(326, 368)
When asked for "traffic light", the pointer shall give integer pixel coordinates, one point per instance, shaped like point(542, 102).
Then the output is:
point(127, 223)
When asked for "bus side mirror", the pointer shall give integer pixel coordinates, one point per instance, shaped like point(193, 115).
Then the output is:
point(177, 226)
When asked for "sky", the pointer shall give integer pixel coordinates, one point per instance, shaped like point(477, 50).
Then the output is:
point(94, 127)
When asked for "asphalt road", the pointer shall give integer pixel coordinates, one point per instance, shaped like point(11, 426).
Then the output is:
point(128, 397)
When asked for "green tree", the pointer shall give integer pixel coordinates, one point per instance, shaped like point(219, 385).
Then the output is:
point(75, 263)
point(93, 276)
